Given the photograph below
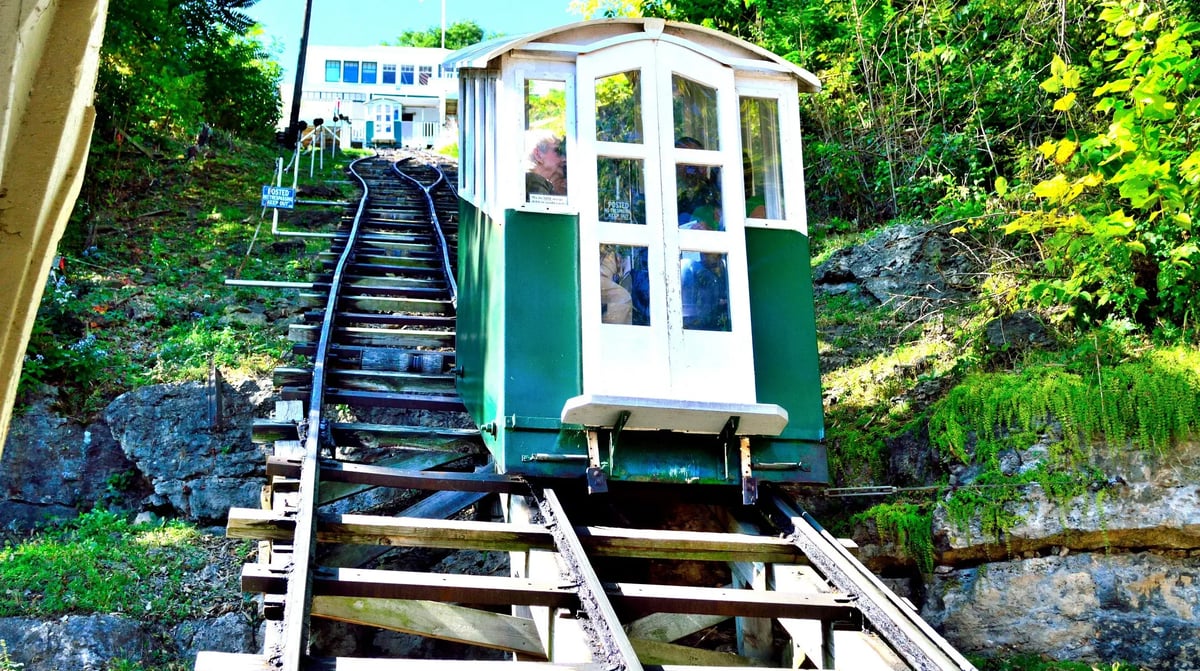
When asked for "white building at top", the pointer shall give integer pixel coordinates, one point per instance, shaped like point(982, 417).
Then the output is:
point(399, 96)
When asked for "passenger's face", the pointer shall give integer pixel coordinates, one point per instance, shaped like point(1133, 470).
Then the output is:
point(552, 159)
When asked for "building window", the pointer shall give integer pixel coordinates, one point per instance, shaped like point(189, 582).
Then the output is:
point(389, 73)
point(406, 74)
point(368, 72)
point(333, 71)
point(426, 73)
point(350, 72)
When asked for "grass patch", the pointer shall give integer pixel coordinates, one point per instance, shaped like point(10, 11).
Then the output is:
point(101, 563)
point(147, 251)
point(1035, 663)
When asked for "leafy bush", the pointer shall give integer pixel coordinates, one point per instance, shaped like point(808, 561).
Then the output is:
point(1114, 221)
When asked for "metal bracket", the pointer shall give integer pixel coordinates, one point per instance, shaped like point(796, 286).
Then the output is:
point(596, 481)
point(622, 419)
point(749, 482)
point(726, 437)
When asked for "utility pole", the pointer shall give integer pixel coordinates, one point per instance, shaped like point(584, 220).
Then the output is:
point(443, 24)
point(298, 89)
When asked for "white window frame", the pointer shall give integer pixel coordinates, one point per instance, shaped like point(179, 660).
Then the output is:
point(785, 92)
point(519, 70)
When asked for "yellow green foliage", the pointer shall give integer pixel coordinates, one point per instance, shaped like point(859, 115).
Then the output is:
point(1150, 403)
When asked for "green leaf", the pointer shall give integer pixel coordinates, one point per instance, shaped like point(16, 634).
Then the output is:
point(1125, 28)
point(1115, 86)
point(1065, 103)
point(1066, 148)
point(1051, 189)
point(1001, 186)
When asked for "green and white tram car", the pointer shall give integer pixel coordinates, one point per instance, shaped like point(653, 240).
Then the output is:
point(635, 294)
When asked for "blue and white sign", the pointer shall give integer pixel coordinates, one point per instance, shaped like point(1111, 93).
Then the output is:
point(279, 196)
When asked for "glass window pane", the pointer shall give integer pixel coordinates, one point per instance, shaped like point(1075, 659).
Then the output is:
point(424, 75)
point(624, 285)
point(333, 71)
point(619, 107)
point(621, 190)
point(389, 74)
point(406, 74)
point(695, 109)
point(698, 197)
point(763, 178)
point(705, 291)
point(368, 72)
point(545, 141)
point(350, 72)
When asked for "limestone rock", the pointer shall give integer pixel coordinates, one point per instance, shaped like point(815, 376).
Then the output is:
point(1149, 504)
point(911, 269)
point(231, 632)
point(76, 642)
point(1141, 608)
point(52, 467)
point(198, 468)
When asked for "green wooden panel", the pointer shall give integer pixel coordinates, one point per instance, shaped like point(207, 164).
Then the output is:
point(480, 313)
point(786, 368)
point(542, 337)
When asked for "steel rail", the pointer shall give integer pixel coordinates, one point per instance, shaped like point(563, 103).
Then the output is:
point(291, 650)
point(609, 640)
point(897, 622)
point(437, 224)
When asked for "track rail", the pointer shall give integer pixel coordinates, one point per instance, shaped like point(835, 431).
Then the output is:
point(596, 582)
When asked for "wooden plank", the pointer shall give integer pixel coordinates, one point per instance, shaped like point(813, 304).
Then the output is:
point(377, 530)
point(362, 303)
point(435, 620)
point(352, 434)
point(668, 627)
point(348, 434)
point(755, 638)
point(409, 459)
point(712, 546)
point(227, 661)
point(447, 402)
point(336, 471)
point(230, 661)
point(405, 531)
point(470, 589)
point(811, 640)
point(658, 652)
point(368, 380)
point(865, 650)
point(367, 664)
point(373, 337)
point(735, 602)
point(439, 505)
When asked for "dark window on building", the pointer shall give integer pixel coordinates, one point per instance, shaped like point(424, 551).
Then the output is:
point(368, 72)
point(425, 74)
point(350, 72)
point(389, 74)
point(406, 74)
point(333, 71)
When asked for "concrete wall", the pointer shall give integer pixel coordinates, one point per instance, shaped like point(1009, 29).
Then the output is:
point(49, 53)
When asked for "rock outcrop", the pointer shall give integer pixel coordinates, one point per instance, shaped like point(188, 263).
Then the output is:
point(198, 467)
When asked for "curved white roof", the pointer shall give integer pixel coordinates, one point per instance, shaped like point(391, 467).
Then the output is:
point(587, 36)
